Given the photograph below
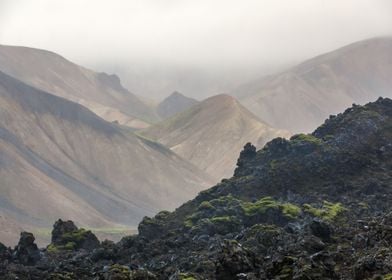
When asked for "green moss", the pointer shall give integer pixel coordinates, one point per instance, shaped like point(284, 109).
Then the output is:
point(70, 246)
point(188, 223)
point(387, 276)
point(317, 212)
point(260, 206)
point(186, 276)
point(329, 211)
point(228, 209)
point(119, 268)
point(273, 164)
point(224, 219)
point(52, 248)
point(57, 248)
point(290, 210)
point(363, 205)
point(224, 201)
point(75, 236)
point(162, 215)
point(206, 205)
point(306, 138)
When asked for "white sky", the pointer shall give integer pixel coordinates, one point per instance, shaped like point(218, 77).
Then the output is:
point(200, 33)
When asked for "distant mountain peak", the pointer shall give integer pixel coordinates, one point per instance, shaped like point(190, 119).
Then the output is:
point(174, 104)
point(211, 133)
point(176, 94)
point(222, 100)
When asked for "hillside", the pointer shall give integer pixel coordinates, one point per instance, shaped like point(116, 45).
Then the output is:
point(174, 104)
point(300, 98)
point(58, 159)
point(316, 206)
point(52, 73)
point(212, 133)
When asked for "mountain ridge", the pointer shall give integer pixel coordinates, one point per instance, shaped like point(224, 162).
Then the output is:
point(302, 96)
point(53, 73)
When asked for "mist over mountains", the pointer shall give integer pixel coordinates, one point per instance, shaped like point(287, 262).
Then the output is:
point(164, 152)
point(195, 140)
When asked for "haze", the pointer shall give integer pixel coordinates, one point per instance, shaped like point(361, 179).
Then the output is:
point(198, 47)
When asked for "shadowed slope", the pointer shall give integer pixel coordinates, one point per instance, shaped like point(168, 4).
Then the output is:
point(60, 160)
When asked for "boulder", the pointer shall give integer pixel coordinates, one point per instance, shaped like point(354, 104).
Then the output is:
point(27, 252)
point(66, 236)
point(321, 229)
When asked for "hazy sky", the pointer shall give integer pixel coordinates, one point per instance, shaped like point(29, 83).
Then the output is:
point(205, 34)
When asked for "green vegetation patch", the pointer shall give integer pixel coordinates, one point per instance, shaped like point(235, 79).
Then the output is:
point(75, 236)
point(260, 206)
point(228, 209)
point(186, 276)
point(69, 246)
point(306, 138)
point(290, 210)
point(329, 211)
point(387, 276)
point(206, 205)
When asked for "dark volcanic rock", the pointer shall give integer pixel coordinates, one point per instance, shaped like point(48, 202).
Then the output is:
point(321, 230)
point(65, 235)
point(60, 228)
point(26, 252)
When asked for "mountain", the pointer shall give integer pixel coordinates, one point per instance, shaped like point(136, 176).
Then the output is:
point(299, 98)
point(211, 133)
point(58, 159)
point(174, 104)
point(316, 206)
point(50, 72)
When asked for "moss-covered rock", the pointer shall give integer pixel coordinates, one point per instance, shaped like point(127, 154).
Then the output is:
point(66, 236)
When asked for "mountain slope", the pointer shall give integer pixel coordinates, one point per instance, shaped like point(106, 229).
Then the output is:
point(60, 160)
point(174, 104)
point(211, 133)
point(301, 97)
point(52, 73)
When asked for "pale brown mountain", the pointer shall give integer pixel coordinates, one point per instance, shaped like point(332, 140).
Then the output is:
point(212, 133)
point(101, 93)
point(59, 160)
point(174, 104)
point(302, 97)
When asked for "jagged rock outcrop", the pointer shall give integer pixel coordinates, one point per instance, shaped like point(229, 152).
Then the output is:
point(65, 235)
point(26, 252)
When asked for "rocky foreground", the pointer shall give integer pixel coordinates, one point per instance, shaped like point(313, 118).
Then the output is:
point(316, 206)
